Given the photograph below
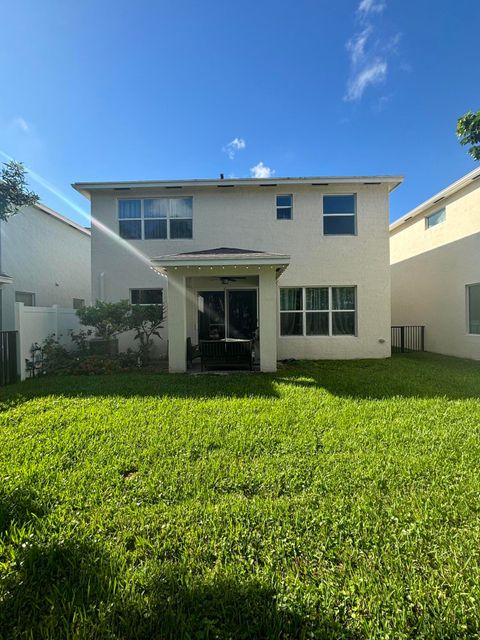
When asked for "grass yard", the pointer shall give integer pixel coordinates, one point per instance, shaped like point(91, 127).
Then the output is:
point(329, 500)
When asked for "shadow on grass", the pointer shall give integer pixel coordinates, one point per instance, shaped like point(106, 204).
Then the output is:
point(74, 590)
point(18, 507)
point(224, 608)
point(419, 375)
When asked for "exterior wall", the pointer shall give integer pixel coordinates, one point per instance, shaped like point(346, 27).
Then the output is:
point(44, 256)
point(245, 218)
point(430, 270)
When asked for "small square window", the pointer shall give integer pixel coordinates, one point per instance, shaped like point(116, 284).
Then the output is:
point(435, 218)
point(284, 205)
point(27, 298)
point(78, 303)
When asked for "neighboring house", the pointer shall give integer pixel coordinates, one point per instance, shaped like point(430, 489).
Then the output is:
point(301, 262)
point(435, 266)
point(44, 260)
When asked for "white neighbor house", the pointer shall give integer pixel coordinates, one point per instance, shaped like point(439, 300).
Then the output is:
point(304, 260)
point(44, 261)
point(435, 265)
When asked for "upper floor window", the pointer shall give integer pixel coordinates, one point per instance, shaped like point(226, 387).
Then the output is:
point(339, 215)
point(155, 218)
point(284, 207)
point(435, 218)
point(473, 306)
point(27, 298)
point(317, 311)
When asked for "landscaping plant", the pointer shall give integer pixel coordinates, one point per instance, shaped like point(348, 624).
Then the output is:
point(146, 321)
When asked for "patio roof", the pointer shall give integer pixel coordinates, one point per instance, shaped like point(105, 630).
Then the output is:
point(222, 256)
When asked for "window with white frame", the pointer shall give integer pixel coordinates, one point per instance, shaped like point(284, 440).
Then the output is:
point(284, 204)
point(318, 311)
point(146, 296)
point(473, 308)
point(339, 214)
point(26, 297)
point(435, 218)
point(155, 218)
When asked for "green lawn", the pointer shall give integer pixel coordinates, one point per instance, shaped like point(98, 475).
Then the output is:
point(330, 500)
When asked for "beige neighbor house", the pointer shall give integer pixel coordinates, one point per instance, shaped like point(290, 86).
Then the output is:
point(435, 267)
point(300, 263)
point(44, 261)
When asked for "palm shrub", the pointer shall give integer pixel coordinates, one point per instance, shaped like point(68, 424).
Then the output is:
point(146, 321)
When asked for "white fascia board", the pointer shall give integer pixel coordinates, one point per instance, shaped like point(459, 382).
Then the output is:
point(85, 188)
point(438, 198)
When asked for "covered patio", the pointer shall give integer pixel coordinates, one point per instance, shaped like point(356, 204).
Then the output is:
point(222, 295)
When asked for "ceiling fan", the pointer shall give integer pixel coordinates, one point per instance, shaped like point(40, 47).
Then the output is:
point(228, 280)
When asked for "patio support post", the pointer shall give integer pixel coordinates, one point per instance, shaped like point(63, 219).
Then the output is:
point(268, 319)
point(177, 323)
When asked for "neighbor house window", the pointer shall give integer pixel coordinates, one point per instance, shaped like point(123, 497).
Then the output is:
point(318, 311)
point(284, 207)
point(155, 218)
point(78, 303)
point(339, 213)
point(435, 218)
point(473, 306)
point(129, 219)
point(146, 296)
point(28, 299)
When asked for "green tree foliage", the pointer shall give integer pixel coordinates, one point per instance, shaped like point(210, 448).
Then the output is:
point(468, 130)
point(109, 319)
point(14, 193)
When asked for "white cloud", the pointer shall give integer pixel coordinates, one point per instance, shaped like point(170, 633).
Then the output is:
point(356, 46)
point(369, 51)
point(373, 74)
point(261, 171)
point(371, 6)
point(237, 144)
point(21, 123)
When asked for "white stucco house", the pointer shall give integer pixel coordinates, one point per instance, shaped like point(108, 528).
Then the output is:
point(435, 266)
point(302, 263)
point(44, 261)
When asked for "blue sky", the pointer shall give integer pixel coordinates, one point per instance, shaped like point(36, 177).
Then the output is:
point(117, 90)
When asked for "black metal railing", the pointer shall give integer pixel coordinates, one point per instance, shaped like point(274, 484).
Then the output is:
point(8, 357)
point(408, 338)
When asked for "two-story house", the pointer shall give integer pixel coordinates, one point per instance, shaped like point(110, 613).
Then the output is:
point(303, 263)
point(44, 261)
point(435, 256)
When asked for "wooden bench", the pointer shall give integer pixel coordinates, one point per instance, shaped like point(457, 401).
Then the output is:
point(218, 354)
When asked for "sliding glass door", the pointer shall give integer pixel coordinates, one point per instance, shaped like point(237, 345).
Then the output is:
point(227, 314)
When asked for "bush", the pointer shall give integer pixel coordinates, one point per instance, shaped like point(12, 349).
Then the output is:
point(109, 319)
point(57, 360)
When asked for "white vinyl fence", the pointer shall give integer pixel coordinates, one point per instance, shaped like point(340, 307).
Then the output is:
point(34, 324)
